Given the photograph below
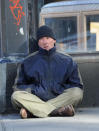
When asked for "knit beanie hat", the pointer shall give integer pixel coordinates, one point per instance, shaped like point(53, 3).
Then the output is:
point(45, 31)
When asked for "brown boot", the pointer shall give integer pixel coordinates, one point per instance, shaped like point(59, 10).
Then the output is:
point(66, 111)
point(63, 111)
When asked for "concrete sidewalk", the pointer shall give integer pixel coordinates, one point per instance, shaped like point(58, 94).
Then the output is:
point(86, 119)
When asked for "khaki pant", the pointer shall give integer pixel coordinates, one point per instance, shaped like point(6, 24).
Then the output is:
point(40, 108)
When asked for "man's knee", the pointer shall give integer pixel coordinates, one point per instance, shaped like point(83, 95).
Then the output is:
point(15, 95)
point(75, 93)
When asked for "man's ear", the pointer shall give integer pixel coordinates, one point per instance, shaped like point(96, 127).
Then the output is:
point(54, 41)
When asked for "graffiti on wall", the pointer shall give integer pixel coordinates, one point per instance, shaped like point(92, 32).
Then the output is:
point(16, 10)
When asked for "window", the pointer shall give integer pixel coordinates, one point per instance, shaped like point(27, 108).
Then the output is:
point(65, 29)
point(16, 28)
point(92, 32)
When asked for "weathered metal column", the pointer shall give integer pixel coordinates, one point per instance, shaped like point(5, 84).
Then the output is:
point(2, 72)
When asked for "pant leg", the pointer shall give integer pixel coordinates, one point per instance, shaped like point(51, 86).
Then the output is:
point(70, 96)
point(32, 103)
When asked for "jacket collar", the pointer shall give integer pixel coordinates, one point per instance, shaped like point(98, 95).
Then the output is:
point(45, 52)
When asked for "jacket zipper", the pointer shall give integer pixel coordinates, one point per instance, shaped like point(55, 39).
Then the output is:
point(49, 73)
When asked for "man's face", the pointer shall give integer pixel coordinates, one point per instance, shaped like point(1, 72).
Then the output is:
point(46, 43)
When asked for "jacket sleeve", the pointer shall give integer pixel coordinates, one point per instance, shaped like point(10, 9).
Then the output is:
point(74, 78)
point(21, 81)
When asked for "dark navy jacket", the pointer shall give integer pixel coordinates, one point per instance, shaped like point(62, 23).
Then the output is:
point(47, 74)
